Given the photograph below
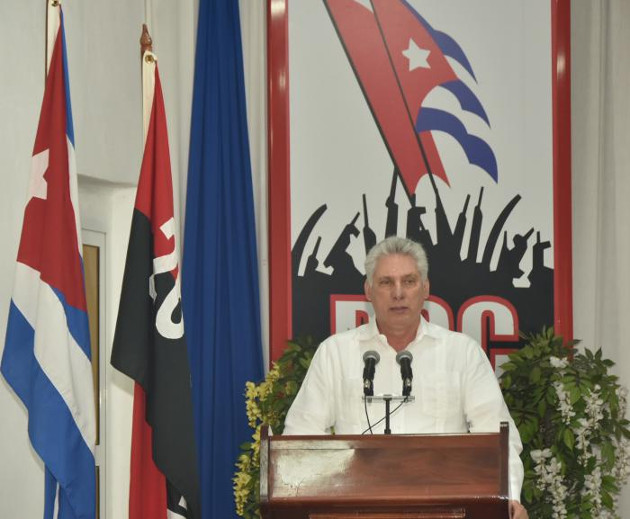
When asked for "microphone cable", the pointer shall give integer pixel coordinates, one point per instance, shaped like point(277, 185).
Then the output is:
point(367, 417)
point(390, 414)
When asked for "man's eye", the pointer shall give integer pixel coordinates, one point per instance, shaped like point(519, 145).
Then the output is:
point(410, 282)
point(385, 282)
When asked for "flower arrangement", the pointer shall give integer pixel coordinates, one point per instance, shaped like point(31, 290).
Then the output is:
point(570, 412)
point(268, 403)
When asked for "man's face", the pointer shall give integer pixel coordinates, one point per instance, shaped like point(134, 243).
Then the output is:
point(397, 293)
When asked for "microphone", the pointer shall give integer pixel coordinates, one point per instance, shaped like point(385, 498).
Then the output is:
point(370, 360)
point(404, 358)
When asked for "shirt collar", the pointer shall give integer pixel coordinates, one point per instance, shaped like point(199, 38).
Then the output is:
point(370, 330)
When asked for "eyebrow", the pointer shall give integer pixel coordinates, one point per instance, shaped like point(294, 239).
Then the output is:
point(411, 275)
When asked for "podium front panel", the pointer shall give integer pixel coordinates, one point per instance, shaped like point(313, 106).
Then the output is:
point(325, 476)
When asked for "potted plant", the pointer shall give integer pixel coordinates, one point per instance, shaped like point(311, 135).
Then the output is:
point(268, 403)
point(570, 412)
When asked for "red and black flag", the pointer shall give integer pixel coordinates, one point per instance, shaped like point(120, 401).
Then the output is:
point(149, 343)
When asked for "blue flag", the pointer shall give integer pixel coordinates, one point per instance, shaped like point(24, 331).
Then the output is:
point(219, 273)
point(47, 357)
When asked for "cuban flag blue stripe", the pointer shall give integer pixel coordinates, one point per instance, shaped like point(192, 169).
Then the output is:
point(78, 325)
point(66, 76)
point(466, 98)
point(477, 150)
point(452, 49)
point(51, 424)
point(50, 493)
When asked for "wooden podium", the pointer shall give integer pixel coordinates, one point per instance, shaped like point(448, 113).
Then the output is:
point(451, 476)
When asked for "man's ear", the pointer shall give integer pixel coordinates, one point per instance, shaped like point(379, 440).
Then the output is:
point(426, 287)
point(368, 290)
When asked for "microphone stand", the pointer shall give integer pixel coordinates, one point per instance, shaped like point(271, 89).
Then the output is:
point(388, 400)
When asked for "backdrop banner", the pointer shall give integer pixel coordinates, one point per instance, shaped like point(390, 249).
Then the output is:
point(436, 121)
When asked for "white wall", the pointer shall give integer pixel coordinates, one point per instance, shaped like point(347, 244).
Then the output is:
point(104, 65)
point(254, 34)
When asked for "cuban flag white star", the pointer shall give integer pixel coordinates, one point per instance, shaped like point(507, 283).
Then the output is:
point(417, 56)
point(365, 3)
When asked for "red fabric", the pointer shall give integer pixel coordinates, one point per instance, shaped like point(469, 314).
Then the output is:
point(46, 244)
point(155, 187)
point(147, 486)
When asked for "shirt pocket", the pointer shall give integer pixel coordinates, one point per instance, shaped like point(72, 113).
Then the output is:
point(441, 394)
point(349, 406)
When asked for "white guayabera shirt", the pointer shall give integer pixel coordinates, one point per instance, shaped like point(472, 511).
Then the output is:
point(454, 386)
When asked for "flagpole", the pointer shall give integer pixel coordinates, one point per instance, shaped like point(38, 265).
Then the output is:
point(148, 77)
point(53, 10)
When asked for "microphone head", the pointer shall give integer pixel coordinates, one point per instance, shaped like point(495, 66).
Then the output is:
point(404, 354)
point(371, 355)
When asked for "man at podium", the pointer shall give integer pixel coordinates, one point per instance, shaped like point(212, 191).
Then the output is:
point(454, 390)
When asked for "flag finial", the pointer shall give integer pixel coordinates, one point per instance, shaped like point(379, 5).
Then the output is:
point(146, 43)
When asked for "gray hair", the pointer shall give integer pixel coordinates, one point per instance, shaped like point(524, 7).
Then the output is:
point(396, 245)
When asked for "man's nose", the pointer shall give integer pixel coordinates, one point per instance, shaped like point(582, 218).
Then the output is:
point(398, 291)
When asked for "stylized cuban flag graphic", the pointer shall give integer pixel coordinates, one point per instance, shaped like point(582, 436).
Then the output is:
point(46, 358)
point(400, 60)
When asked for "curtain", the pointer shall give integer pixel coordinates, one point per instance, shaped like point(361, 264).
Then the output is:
point(220, 270)
point(600, 79)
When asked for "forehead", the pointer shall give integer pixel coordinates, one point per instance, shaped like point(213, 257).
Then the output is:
point(395, 265)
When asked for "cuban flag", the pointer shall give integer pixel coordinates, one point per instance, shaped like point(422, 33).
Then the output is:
point(403, 66)
point(46, 357)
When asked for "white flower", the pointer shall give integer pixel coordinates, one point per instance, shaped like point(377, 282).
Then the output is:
point(621, 470)
point(538, 455)
point(583, 434)
point(594, 405)
point(622, 395)
point(558, 363)
point(564, 403)
point(592, 490)
point(549, 471)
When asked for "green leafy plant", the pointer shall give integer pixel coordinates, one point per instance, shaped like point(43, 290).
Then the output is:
point(268, 403)
point(570, 412)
